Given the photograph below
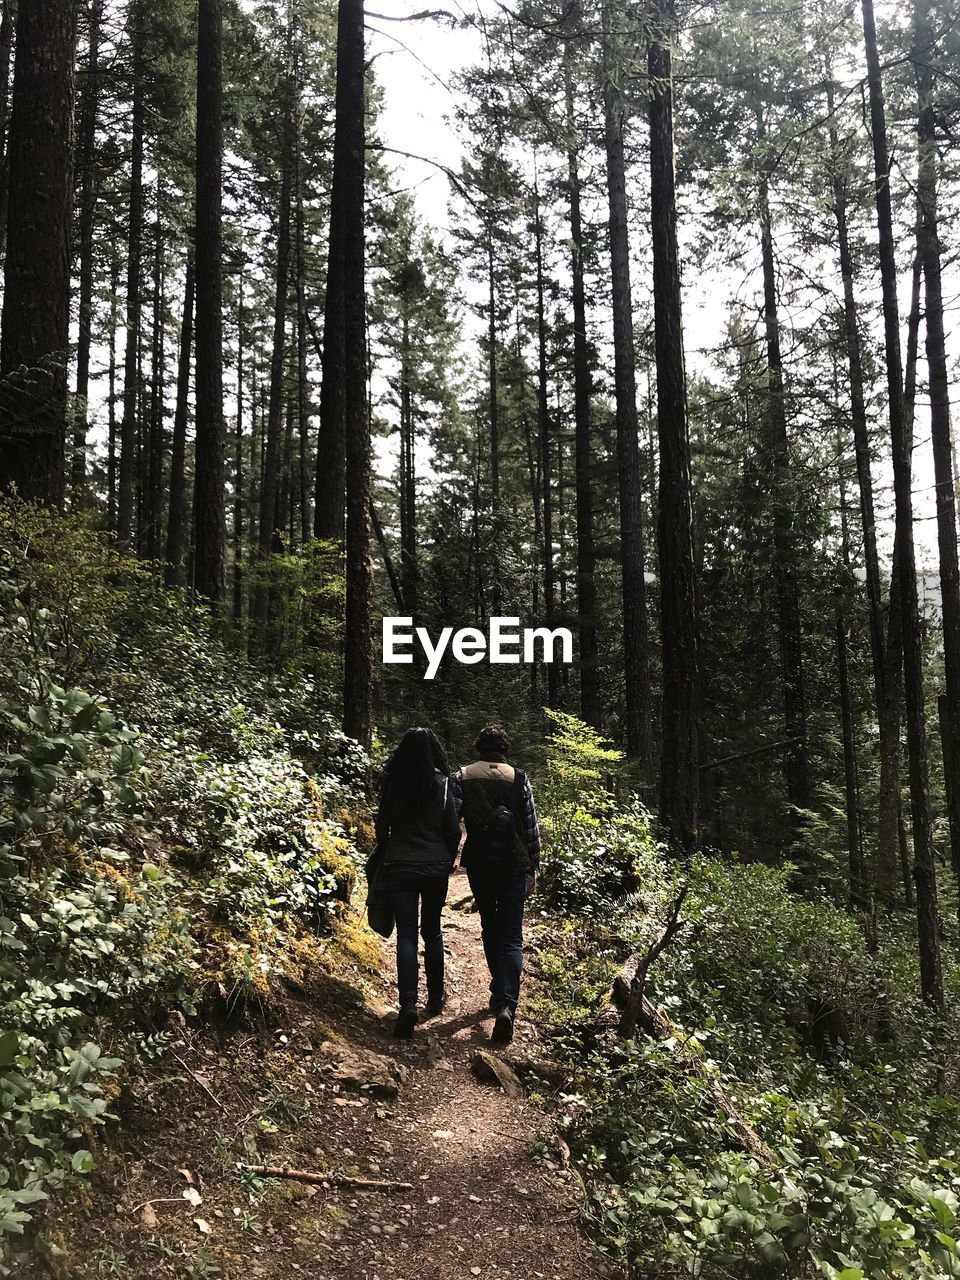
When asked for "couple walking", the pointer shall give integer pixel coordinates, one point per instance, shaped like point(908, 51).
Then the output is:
point(423, 813)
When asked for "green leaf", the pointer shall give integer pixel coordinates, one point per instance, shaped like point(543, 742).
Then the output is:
point(9, 1046)
point(13, 1222)
point(945, 1215)
point(28, 1195)
point(83, 1162)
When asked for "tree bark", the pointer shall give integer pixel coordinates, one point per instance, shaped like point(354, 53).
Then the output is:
point(797, 768)
point(349, 186)
point(858, 889)
point(270, 486)
point(887, 709)
point(330, 499)
point(6, 48)
point(155, 440)
point(939, 386)
point(89, 191)
point(931, 969)
point(546, 452)
point(176, 530)
point(112, 394)
point(638, 738)
point(586, 556)
point(34, 346)
point(303, 380)
point(493, 402)
point(409, 569)
point(128, 424)
point(210, 527)
point(679, 771)
point(238, 501)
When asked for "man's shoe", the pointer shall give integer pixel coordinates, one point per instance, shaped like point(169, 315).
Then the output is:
point(406, 1021)
point(503, 1027)
point(436, 1005)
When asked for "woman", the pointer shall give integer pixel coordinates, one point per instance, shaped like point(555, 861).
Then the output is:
point(418, 829)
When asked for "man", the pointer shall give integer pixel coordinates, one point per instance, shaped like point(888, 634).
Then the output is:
point(502, 859)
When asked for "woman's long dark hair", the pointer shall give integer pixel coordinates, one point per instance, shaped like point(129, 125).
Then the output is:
point(410, 775)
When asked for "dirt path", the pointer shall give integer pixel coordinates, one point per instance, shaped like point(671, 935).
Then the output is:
point(331, 1090)
point(483, 1206)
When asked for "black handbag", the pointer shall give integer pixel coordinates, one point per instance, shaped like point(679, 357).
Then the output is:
point(380, 915)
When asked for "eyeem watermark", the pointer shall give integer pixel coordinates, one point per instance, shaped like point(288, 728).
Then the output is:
point(503, 643)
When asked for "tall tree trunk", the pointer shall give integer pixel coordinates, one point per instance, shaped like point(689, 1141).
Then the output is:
point(546, 453)
point(492, 380)
point(36, 297)
point(112, 393)
point(586, 557)
point(155, 441)
point(680, 759)
point(388, 564)
point(303, 380)
point(6, 48)
point(208, 494)
point(330, 498)
point(128, 424)
point(888, 708)
point(176, 527)
point(238, 471)
point(632, 556)
point(925, 876)
point(89, 190)
point(270, 486)
point(797, 768)
point(891, 794)
point(856, 869)
point(939, 384)
point(408, 474)
point(858, 888)
point(347, 215)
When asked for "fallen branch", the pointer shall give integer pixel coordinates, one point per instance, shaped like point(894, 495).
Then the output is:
point(317, 1179)
point(657, 1025)
point(633, 1004)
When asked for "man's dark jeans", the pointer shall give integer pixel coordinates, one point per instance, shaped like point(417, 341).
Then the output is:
point(500, 900)
point(418, 899)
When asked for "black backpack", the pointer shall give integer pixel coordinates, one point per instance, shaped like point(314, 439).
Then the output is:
point(492, 848)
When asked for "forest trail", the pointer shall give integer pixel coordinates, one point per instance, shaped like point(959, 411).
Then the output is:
point(482, 1203)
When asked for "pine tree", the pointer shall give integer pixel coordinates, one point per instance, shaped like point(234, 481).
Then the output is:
point(36, 298)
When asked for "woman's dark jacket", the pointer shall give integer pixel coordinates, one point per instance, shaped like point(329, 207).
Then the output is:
point(420, 834)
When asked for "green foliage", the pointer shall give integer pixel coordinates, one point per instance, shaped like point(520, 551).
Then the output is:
point(166, 826)
point(591, 844)
point(777, 1004)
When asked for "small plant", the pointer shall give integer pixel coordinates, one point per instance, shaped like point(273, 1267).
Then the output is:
point(248, 1221)
point(201, 1265)
point(112, 1263)
point(251, 1184)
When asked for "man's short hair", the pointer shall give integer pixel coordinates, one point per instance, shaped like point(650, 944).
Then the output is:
point(493, 737)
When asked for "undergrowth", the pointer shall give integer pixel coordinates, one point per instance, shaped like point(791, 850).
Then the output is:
point(173, 830)
point(776, 1001)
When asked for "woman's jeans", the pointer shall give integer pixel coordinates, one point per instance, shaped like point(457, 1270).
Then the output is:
point(418, 898)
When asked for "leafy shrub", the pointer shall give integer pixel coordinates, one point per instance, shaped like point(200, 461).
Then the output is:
point(165, 833)
point(820, 1045)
